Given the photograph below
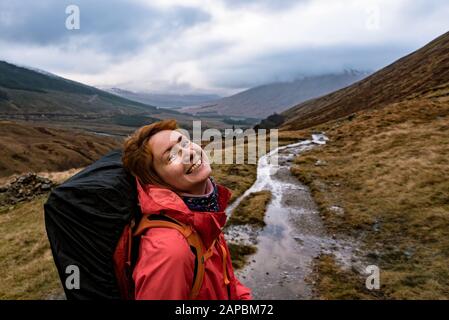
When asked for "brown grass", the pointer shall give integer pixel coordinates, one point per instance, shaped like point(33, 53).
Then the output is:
point(388, 169)
point(251, 210)
point(239, 254)
point(336, 283)
point(34, 148)
point(239, 177)
point(26, 262)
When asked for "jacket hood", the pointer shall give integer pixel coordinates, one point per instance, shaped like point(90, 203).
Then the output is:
point(156, 200)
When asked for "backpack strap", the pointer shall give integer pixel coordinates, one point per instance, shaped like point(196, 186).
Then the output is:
point(192, 237)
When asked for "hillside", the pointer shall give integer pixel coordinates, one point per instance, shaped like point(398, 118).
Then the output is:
point(27, 91)
point(262, 101)
point(421, 74)
point(387, 171)
point(382, 178)
point(26, 94)
point(164, 100)
point(36, 148)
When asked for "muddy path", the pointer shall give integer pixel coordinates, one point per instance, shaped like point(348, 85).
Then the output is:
point(294, 234)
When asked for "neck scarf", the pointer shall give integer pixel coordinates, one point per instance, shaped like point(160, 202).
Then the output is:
point(206, 203)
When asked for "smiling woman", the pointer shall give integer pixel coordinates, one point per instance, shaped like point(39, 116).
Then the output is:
point(183, 164)
point(158, 154)
point(182, 251)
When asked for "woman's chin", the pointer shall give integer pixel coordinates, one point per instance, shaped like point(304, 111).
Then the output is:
point(201, 174)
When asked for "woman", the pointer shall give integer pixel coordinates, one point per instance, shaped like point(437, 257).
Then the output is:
point(173, 179)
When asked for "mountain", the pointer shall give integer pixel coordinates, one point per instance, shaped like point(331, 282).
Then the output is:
point(385, 169)
point(423, 74)
point(164, 100)
point(262, 101)
point(24, 90)
point(30, 94)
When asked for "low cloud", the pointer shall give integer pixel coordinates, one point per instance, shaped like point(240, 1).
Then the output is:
point(213, 46)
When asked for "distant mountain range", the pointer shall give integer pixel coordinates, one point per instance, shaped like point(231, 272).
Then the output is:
point(30, 94)
point(423, 74)
point(262, 101)
point(164, 100)
point(26, 90)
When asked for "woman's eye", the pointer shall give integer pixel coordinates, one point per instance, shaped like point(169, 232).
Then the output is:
point(185, 143)
point(171, 157)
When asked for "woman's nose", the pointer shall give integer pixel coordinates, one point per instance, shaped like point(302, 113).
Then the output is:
point(189, 153)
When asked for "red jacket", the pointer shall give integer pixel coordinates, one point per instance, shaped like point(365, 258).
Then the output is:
point(165, 265)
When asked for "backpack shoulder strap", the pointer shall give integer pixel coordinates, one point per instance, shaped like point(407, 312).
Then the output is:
point(189, 234)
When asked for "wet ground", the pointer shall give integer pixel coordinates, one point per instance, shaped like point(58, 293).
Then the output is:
point(294, 234)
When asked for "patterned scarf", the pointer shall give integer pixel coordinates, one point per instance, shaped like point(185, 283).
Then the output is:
point(208, 203)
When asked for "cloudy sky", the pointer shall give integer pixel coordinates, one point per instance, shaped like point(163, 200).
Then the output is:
point(217, 46)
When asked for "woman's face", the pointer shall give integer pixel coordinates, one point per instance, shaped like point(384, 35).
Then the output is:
point(179, 162)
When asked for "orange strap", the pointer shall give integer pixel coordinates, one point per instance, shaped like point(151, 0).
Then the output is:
point(210, 252)
point(225, 272)
point(192, 238)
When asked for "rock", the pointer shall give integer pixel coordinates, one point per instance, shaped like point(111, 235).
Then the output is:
point(25, 188)
point(320, 163)
point(46, 186)
point(409, 253)
point(373, 255)
point(300, 241)
point(339, 211)
point(376, 225)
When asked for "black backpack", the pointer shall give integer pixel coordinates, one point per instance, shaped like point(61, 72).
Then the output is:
point(89, 220)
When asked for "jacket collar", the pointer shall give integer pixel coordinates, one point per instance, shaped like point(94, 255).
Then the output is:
point(155, 200)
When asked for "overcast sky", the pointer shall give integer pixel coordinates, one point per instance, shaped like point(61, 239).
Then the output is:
point(219, 46)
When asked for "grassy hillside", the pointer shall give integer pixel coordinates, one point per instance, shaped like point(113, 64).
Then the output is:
point(388, 171)
point(385, 168)
point(35, 148)
point(30, 95)
point(420, 74)
point(26, 263)
point(24, 90)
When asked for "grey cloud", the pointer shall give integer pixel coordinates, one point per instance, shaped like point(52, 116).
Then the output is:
point(115, 26)
point(422, 9)
point(264, 4)
point(292, 64)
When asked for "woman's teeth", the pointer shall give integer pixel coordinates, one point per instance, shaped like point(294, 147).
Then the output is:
point(194, 167)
